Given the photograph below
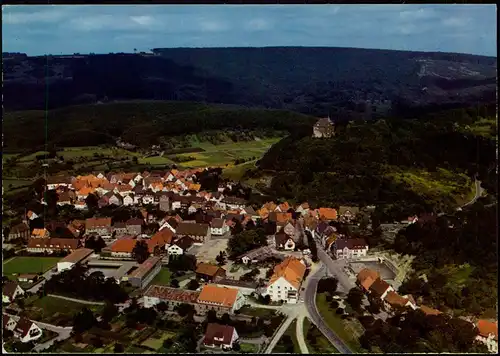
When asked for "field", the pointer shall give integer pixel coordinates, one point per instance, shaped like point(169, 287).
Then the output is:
point(12, 184)
point(322, 344)
point(434, 184)
point(257, 312)
point(156, 340)
point(248, 348)
point(226, 154)
point(22, 265)
point(338, 325)
point(163, 277)
point(237, 172)
point(56, 310)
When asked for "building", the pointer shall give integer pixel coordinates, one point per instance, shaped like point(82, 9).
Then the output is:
point(134, 226)
point(73, 258)
point(218, 227)
point(246, 288)
point(19, 231)
point(257, 255)
point(145, 273)
point(394, 300)
point(40, 233)
point(123, 248)
point(285, 281)
point(348, 213)
point(350, 248)
point(221, 299)
point(380, 288)
point(327, 214)
point(366, 277)
point(323, 128)
point(181, 246)
point(10, 291)
point(488, 334)
point(209, 272)
point(164, 202)
point(172, 297)
point(26, 330)
point(222, 336)
point(119, 229)
point(284, 241)
point(200, 233)
point(51, 245)
point(429, 311)
point(99, 226)
point(8, 322)
point(231, 203)
point(27, 277)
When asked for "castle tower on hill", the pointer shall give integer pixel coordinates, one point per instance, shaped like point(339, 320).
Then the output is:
point(324, 128)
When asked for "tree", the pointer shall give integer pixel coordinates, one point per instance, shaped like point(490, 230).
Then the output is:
point(355, 298)
point(92, 202)
point(84, 320)
point(193, 284)
point(109, 312)
point(236, 347)
point(246, 241)
point(221, 258)
point(185, 262)
point(288, 342)
point(328, 284)
point(118, 349)
point(140, 251)
point(174, 283)
point(185, 309)
point(96, 243)
point(225, 319)
point(162, 306)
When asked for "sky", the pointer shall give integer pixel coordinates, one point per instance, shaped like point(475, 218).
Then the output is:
point(66, 29)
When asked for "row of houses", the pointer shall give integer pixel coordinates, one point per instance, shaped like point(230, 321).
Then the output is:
point(370, 281)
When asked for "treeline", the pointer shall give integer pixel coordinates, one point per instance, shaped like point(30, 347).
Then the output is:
point(141, 123)
point(357, 165)
point(459, 256)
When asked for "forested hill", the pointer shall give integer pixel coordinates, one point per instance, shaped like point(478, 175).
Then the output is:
point(421, 164)
point(304, 79)
point(142, 123)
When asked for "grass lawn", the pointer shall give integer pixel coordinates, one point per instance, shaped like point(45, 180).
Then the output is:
point(322, 345)
point(237, 172)
point(156, 340)
point(248, 348)
point(336, 323)
point(10, 185)
point(155, 160)
point(163, 277)
point(292, 332)
point(25, 264)
point(50, 309)
point(257, 312)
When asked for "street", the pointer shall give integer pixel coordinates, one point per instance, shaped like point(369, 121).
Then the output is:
point(310, 302)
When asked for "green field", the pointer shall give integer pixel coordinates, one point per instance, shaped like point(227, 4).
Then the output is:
point(13, 184)
point(322, 346)
point(337, 324)
point(23, 264)
point(156, 340)
point(163, 277)
point(257, 312)
point(237, 172)
point(226, 154)
point(248, 348)
point(56, 310)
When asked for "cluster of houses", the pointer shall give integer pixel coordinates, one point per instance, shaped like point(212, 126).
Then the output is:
point(371, 283)
point(23, 329)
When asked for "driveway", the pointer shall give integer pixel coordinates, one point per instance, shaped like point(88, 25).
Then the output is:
point(47, 275)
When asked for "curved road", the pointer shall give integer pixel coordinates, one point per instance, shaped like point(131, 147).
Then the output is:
point(479, 192)
point(310, 302)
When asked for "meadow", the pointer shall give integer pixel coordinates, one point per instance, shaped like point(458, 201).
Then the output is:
point(24, 265)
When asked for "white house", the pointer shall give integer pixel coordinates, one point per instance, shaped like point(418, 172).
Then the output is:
point(73, 258)
point(11, 291)
point(284, 241)
point(222, 336)
point(350, 248)
point(128, 200)
point(285, 281)
point(218, 227)
point(148, 198)
point(180, 246)
point(26, 330)
point(488, 334)
point(8, 322)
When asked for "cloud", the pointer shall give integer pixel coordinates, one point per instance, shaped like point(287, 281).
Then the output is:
point(213, 26)
point(455, 22)
point(418, 14)
point(143, 20)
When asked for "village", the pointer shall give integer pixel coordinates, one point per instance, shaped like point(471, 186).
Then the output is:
point(186, 252)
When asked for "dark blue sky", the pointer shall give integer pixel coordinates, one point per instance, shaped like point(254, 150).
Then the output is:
point(58, 29)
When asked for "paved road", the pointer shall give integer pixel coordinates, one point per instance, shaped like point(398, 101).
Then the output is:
point(335, 269)
point(479, 192)
point(299, 331)
point(81, 301)
point(47, 275)
point(310, 302)
point(277, 336)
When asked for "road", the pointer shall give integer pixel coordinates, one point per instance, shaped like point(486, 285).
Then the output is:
point(310, 302)
point(479, 192)
point(335, 269)
point(299, 331)
point(277, 336)
point(47, 275)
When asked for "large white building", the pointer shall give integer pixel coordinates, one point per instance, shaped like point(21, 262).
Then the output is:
point(350, 248)
point(285, 281)
point(73, 258)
